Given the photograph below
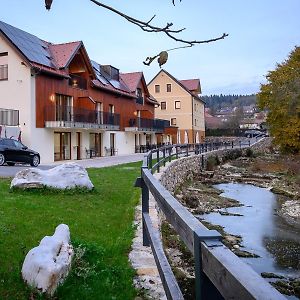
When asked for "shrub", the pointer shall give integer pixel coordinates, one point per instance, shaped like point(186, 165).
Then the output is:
point(232, 154)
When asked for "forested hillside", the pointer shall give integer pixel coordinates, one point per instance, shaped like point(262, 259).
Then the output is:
point(217, 102)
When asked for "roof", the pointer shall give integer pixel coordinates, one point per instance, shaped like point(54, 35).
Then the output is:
point(179, 82)
point(62, 53)
point(132, 79)
point(55, 58)
point(191, 84)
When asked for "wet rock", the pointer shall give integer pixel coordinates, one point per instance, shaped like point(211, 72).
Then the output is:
point(245, 254)
point(226, 213)
point(271, 275)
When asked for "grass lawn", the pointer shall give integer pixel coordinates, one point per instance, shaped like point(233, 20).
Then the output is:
point(101, 226)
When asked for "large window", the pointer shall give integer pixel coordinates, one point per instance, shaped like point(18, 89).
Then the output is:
point(63, 108)
point(157, 88)
point(173, 122)
point(163, 105)
point(169, 87)
point(177, 105)
point(4, 66)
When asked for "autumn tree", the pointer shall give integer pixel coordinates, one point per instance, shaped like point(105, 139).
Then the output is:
point(281, 97)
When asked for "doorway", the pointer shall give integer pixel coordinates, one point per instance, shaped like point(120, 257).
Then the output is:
point(62, 146)
point(96, 144)
point(112, 144)
point(78, 145)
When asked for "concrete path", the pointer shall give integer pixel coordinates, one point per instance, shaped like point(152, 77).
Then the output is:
point(99, 162)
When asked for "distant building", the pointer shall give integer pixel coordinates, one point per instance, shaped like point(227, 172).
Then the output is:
point(180, 103)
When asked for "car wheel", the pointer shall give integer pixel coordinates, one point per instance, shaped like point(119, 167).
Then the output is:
point(35, 161)
point(10, 164)
point(2, 159)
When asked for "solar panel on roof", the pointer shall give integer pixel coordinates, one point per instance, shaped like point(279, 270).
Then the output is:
point(31, 46)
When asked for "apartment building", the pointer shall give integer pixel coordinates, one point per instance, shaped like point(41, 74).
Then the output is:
point(180, 104)
point(71, 107)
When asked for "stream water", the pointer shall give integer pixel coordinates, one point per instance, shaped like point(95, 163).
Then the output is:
point(263, 231)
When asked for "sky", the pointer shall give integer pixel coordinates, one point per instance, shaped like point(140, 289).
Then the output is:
point(261, 34)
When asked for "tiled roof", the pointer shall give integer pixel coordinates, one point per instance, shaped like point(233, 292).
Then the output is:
point(131, 79)
point(54, 58)
point(62, 53)
point(191, 84)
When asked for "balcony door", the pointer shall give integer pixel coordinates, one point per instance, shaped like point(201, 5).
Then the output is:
point(63, 108)
point(62, 145)
point(96, 144)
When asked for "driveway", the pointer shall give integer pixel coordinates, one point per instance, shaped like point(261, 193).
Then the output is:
point(99, 162)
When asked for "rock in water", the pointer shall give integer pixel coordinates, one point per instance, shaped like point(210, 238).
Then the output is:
point(47, 265)
point(65, 176)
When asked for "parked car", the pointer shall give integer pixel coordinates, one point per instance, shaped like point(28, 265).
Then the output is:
point(252, 133)
point(13, 151)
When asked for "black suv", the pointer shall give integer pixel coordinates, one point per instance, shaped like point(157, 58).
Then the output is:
point(12, 151)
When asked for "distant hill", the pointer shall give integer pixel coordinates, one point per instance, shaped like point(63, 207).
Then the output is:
point(217, 102)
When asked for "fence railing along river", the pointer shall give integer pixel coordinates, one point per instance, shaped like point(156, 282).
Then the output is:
point(219, 273)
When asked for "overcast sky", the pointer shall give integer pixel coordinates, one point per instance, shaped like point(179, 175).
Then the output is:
point(261, 33)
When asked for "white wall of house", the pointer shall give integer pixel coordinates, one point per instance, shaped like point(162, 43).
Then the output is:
point(125, 143)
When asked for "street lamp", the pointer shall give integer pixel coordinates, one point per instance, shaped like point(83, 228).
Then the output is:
point(48, 4)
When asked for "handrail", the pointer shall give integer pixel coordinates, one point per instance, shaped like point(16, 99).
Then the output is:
point(219, 273)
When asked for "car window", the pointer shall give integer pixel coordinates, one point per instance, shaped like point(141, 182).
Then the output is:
point(9, 143)
point(18, 144)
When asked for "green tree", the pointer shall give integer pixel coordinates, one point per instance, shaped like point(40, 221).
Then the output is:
point(281, 97)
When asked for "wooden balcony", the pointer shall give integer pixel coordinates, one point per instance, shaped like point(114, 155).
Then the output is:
point(74, 117)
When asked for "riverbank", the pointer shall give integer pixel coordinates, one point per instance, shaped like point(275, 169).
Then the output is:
point(262, 167)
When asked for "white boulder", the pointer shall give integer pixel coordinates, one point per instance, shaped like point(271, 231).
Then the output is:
point(47, 265)
point(65, 176)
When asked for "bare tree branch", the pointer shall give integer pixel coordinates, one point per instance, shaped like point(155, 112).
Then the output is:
point(146, 26)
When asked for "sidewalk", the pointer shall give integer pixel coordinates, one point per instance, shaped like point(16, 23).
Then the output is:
point(99, 162)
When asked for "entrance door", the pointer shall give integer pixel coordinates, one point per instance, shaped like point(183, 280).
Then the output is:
point(112, 144)
point(96, 144)
point(78, 142)
point(62, 145)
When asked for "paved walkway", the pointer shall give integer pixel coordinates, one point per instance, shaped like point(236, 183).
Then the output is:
point(99, 162)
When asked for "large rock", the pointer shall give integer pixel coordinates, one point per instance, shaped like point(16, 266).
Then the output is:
point(65, 176)
point(47, 265)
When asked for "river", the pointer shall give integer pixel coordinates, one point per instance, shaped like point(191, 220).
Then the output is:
point(263, 231)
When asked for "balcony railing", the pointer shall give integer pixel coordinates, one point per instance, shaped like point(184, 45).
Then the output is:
point(9, 117)
point(151, 124)
point(76, 116)
point(78, 82)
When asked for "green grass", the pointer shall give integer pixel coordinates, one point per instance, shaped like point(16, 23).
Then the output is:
point(101, 226)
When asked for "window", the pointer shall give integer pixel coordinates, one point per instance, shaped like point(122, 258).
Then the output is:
point(4, 66)
point(157, 88)
point(195, 122)
point(173, 122)
point(163, 105)
point(177, 105)
point(169, 87)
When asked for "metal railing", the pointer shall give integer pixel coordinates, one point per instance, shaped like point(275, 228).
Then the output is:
point(154, 124)
point(9, 117)
point(219, 273)
point(80, 115)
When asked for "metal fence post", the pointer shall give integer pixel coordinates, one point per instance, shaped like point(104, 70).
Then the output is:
point(176, 147)
point(187, 149)
point(164, 156)
point(150, 161)
point(158, 169)
point(240, 142)
point(232, 144)
point(145, 208)
point(202, 162)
